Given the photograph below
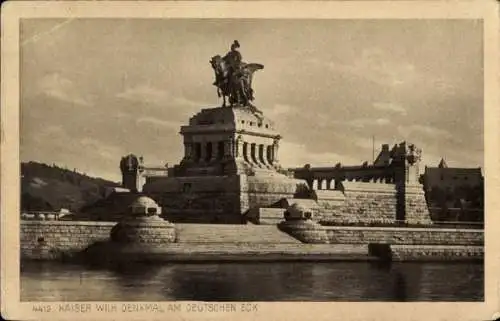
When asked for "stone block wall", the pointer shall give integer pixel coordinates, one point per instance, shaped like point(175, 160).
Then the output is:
point(329, 204)
point(363, 202)
point(416, 210)
point(198, 199)
point(400, 235)
point(265, 191)
point(436, 253)
point(266, 215)
point(219, 199)
point(306, 231)
point(41, 238)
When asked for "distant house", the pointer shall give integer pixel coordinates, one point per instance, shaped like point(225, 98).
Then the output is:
point(454, 193)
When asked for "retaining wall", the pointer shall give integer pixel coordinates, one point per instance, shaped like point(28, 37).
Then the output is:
point(401, 235)
point(436, 253)
point(42, 239)
point(359, 202)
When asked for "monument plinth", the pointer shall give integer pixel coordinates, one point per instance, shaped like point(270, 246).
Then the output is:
point(228, 141)
point(230, 167)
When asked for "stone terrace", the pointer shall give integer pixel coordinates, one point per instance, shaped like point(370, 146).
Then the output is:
point(232, 234)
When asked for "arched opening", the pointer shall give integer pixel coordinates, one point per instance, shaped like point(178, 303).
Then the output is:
point(197, 152)
point(253, 153)
point(261, 154)
point(220, 150)
point(208, 155)
point(269, 154)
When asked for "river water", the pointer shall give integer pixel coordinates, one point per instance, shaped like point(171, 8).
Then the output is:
point(336, 281)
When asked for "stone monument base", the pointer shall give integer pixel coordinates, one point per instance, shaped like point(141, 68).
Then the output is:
point(220, 199)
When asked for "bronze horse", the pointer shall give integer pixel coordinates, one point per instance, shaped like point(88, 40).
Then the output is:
point(238, 86)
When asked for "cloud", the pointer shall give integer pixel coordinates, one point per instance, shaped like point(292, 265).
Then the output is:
point(363, 122)
point(426, 130)
point(365, 143)
point(389, 106)
point(145, 93)
point(101, 149)
point(159, 122)
point(57, 86)
point(279, 110)
point(430, 159)
point(375, 65)
point(183, 101)
point(159, 97)
point(297, 155)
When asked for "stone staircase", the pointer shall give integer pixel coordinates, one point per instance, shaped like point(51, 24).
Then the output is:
point(232, 234)
point(251, 252)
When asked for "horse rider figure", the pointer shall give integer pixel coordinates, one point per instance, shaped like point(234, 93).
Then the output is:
point(234, 77)
point(233, 59)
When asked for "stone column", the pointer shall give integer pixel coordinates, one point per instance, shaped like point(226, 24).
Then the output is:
point(228, 148)
point(269, 154)
point(245, 153)
point(238, 147)
point(262, 159)
point(188, 151)
point(253, 153)
point(215, 150)
point(276, 145)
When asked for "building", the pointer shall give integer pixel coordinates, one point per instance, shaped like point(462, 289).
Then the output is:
point(454, 194)
point(135, 174)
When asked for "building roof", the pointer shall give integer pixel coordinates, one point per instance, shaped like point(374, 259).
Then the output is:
point(442, 164)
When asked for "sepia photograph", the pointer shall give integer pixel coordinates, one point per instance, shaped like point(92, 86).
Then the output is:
point(227, 161)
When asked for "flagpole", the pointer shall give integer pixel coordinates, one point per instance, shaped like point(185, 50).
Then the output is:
point(373, 148)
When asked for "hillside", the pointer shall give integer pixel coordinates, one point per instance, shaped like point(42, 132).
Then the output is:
point(45, 187)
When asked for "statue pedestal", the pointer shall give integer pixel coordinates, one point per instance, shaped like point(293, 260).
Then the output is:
point(231, 167)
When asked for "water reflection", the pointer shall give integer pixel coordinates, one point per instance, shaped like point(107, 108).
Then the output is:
point(338, 281)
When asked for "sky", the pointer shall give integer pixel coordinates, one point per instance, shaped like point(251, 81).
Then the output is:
point(94, 90)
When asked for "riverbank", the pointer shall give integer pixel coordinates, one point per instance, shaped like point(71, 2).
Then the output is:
point(91, 241)
point(110, 252)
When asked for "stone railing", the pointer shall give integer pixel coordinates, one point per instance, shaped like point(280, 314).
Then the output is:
point(328, 178)
point(42, 215)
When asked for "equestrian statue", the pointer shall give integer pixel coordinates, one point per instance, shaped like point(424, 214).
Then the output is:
point(233, 77)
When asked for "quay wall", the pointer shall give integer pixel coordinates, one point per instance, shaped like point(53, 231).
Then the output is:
point(66, 239)
point(392, 252)
point(404, 235)
point(55, 239)
point(436, 253)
